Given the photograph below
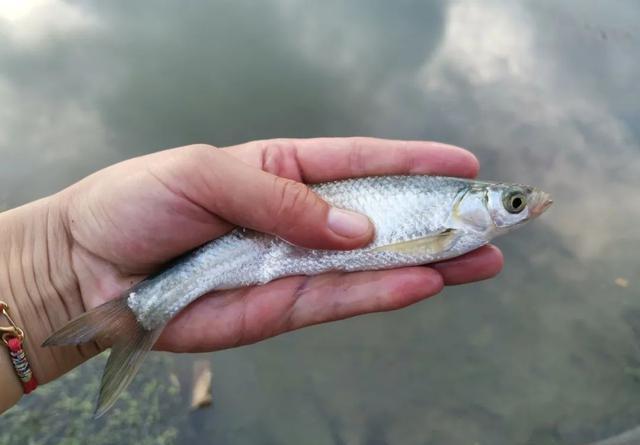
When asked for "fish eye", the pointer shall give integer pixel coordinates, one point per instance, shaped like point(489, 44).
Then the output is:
point(514, 202)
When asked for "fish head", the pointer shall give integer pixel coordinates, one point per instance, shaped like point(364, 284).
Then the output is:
point(511, 205)
point(495, 208)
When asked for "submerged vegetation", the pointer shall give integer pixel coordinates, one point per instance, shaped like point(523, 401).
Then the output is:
point(150, 412)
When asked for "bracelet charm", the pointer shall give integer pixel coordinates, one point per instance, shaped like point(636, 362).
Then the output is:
point(13, 336)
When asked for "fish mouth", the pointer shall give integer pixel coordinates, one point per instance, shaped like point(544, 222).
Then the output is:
point(540, 202)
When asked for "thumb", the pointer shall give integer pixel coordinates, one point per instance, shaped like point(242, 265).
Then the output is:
point(249, 197)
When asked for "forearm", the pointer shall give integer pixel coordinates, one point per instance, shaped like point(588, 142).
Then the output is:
point(38, 283)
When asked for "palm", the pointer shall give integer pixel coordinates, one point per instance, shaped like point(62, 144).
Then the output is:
point(137, 215)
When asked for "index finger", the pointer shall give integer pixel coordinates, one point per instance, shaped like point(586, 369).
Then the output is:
point(327, 159)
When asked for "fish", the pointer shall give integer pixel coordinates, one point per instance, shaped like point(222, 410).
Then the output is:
point(418, 219)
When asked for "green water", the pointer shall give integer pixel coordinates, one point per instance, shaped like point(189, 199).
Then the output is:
point(544, 92)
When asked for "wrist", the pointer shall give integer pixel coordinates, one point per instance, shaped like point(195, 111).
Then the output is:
point(38, 282)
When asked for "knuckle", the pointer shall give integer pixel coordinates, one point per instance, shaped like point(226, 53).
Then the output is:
point(192, 159)
point(294, 199)
point(190, 152)
point(280, 157)
point(196, 169)
point(200, 152)
point(405, 157)
point(276, 153)
point(357, 156)
point(201, 147)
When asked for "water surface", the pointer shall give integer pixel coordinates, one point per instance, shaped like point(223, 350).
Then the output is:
point(544, 92)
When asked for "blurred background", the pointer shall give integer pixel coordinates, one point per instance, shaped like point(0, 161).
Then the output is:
point(545, 92)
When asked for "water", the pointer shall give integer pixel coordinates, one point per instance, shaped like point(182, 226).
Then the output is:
point(544, 92)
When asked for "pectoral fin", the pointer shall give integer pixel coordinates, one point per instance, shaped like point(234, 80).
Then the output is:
point(434, 243)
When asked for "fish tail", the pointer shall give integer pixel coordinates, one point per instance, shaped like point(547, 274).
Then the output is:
point(116, 323)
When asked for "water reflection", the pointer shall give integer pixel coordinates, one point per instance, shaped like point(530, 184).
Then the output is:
point(545, 93)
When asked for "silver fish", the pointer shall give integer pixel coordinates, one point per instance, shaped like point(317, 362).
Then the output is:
point(417, 219)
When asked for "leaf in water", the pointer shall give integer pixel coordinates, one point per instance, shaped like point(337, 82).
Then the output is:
point(201, 392)
point(621, 282)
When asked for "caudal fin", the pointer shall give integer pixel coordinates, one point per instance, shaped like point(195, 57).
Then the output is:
point(114, 322)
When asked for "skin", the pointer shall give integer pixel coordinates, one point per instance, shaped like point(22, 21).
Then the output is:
point(74, 250)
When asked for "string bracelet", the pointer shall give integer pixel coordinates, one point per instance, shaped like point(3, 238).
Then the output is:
point(13, 338)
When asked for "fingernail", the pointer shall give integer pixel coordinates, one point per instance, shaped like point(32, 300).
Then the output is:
point(348, 224)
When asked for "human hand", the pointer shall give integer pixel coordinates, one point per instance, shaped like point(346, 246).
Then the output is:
point(151, 209)
point(113, 228)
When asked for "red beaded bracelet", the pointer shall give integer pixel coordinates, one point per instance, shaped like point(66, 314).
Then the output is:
point(13, 336)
